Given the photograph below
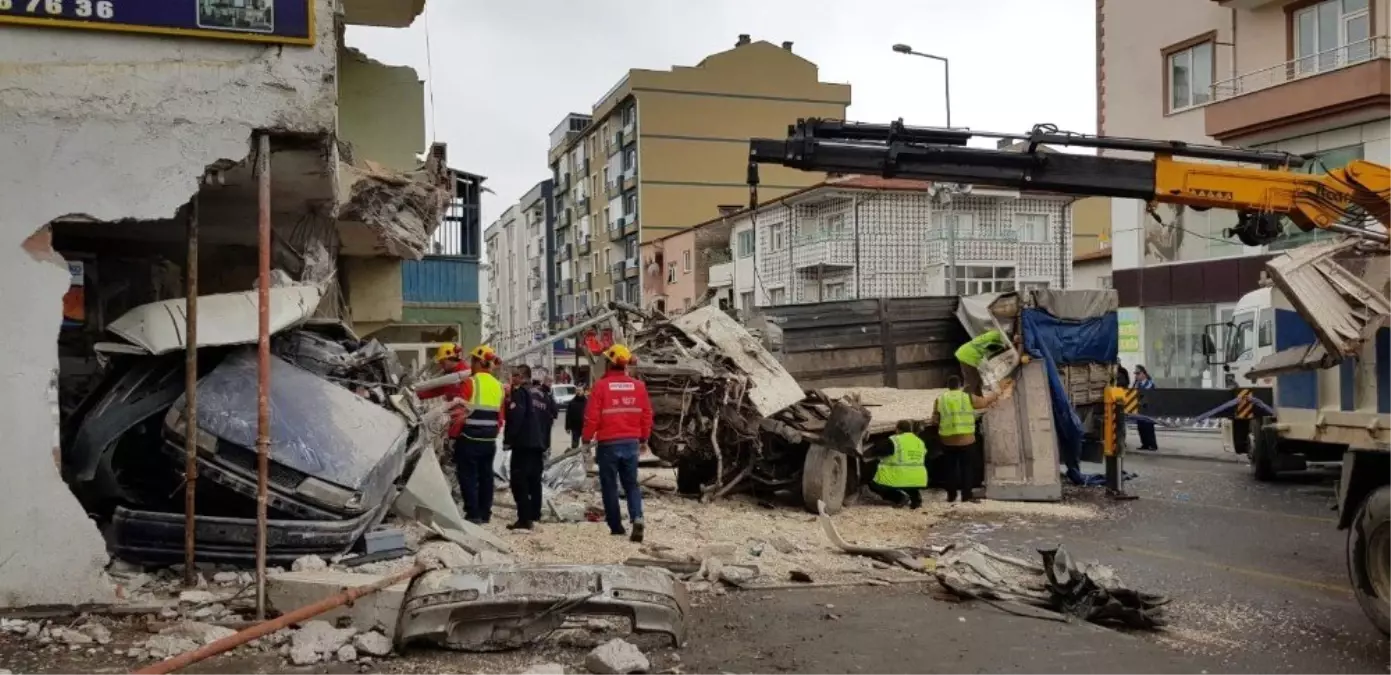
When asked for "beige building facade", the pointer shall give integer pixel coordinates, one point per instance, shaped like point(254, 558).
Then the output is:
point(1303, 76)
point(662, 151)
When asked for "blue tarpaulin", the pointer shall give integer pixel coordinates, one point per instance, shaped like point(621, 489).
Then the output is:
point(1062, 342)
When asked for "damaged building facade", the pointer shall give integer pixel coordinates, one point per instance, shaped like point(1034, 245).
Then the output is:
point(114, 140)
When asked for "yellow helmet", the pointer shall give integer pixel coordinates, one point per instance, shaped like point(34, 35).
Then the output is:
point(448, 350)
point(618, 354)
point(483, 353)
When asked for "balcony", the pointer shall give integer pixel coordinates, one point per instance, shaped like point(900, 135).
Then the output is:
point(616, 272)
point(630, 224)
point(564, 219)
point(1350, 78)
point(562, 183)
point(630, 178)
point(441, 280)
point(615, 144)
point(585, 281)
point(630, 268)
point(613, 189)
point(616, 230)
point(582, 204)
point(584, 167)
point(566, 286)
point(582, 248)
point(564, 253)
point(827, 256)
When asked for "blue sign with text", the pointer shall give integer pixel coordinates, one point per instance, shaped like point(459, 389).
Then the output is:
point(274, 21)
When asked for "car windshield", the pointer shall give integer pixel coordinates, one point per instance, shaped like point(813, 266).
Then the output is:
point(563, 390)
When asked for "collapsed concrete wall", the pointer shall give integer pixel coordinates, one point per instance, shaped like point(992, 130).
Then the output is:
point(114, 127)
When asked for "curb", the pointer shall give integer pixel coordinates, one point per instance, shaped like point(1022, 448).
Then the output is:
point(1220, 459)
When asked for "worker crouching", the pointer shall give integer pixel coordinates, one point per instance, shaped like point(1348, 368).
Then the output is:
point(902, 474)
point(478, 419)
point(619, 418)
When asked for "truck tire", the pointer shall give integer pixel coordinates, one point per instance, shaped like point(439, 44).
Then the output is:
point(824, 474)
point(1369, 557)
point(1262, 454)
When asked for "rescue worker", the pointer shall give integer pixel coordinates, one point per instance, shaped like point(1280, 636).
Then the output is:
point(449, 359)
point(526, 435)
point(619, 418)
point(902, 474)
point(972, 353)
point(478, 419)
point(956, 425)
point(574, 415)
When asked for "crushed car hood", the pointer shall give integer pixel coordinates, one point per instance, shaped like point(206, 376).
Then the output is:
point(223, 319)
point(317, 427)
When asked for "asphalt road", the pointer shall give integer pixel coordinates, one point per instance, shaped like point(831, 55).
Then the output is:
point(1257, 571)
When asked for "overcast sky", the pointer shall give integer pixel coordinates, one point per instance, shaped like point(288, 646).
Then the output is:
point(503, 74)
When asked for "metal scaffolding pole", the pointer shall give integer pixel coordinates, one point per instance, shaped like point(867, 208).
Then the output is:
point(190, 392)
point(262, 363)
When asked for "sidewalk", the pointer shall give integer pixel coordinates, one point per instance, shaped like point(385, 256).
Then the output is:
point(1200, 445)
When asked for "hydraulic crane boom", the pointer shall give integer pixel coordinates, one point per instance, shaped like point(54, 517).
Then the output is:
point(1345, 200)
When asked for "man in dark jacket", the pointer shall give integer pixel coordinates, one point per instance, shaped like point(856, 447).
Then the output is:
point(528, 417)
point(552, 412)
point(574, 416)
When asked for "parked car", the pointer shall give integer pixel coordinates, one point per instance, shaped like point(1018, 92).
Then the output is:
point(343, 433)
point(563, 394)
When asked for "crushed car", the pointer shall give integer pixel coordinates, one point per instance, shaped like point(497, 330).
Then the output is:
point(344, 432)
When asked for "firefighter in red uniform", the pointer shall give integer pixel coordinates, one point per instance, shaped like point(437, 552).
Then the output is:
point(619, 418)
point(450, 361)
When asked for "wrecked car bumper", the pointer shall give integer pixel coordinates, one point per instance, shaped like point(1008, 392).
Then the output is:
point(496, 608)
point(153, 537)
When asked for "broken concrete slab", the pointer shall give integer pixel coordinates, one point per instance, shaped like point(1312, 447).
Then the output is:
point(99, 633)
point(346, 654)
point(372, 643)
point(202, 633)
point(617, 657)
point(321, 638)
point(161, 646)
point(381, 610)
point(443, 555)
point(427, 499)
point(308, 563)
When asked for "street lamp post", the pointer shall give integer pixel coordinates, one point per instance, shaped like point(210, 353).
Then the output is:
point(946, 72)
point(949, 222)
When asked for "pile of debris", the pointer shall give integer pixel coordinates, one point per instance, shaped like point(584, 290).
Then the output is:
point(346, 432)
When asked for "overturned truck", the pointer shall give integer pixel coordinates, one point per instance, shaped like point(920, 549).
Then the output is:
point(729, 416)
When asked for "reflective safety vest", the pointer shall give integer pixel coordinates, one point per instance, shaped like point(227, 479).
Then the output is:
point(484, 402)
point(904, 468)
point(956, 416)
point(975, 351)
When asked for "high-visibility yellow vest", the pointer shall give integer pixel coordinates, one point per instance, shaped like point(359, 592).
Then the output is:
point(973, 352)
point(485, 400)
point(956, 415)
point(904, 468)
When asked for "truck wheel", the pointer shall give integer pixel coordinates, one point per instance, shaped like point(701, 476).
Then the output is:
point(1262, 455)
point(823, 479)
point(1369, 557)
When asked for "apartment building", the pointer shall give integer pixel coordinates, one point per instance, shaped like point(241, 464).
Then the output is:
point(662, 150)
point(509, 294)
point(1298, 75)
point(869, 237)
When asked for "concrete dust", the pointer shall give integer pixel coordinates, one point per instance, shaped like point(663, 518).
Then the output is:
point(777, 540)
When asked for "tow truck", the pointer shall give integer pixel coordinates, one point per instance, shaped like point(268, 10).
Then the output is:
point(1331, 391)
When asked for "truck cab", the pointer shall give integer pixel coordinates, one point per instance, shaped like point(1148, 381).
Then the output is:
point(1250, 337)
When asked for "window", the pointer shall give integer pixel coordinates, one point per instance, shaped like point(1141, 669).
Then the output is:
point(1265, 336)
point(630, 160)
point(1032, 227)
point(746, 243)
point(973, 279)
point(834, 291)
point(1190, 71)
point(686, 257)
point(775, 238)
point(777, 296)
point(810, 231)
point(1033, 285)
point(630, 204)
point(954, 226)
point(1323, 162)
point(671, 273)
point(835, 226)
point(1331, 34)
point(630, 115)
point(746, 301)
